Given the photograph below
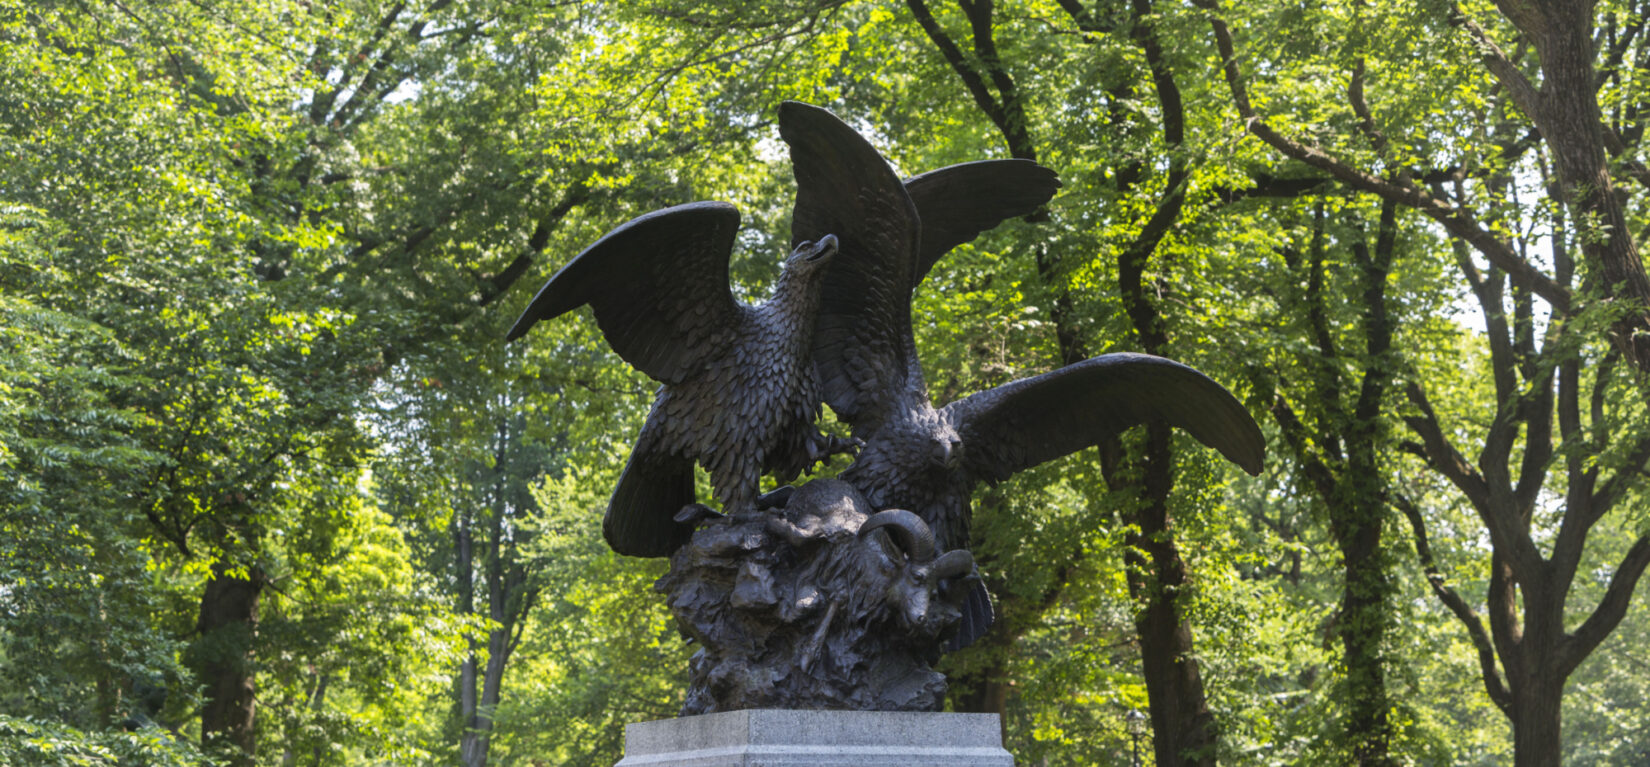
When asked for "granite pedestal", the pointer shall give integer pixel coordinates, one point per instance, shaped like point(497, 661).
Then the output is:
point(772, 738)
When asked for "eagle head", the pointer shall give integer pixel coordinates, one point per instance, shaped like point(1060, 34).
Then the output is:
point(809, 256)
point(945, 449)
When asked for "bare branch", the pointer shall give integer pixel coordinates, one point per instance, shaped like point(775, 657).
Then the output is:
point(1493, 684)
point(1610, 610)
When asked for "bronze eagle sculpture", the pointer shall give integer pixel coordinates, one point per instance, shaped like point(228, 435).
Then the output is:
point(926, 459)
point(738, 394)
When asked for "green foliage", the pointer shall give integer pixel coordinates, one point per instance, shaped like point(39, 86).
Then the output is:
point(256, 260)
point(48, 744)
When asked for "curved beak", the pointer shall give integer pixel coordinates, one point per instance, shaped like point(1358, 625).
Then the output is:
point(824, 248)
point(948, 453)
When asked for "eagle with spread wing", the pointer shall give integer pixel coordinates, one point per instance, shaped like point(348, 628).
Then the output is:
point(927, 459)
point(738, 392)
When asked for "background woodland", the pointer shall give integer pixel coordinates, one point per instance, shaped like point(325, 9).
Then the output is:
point(273, 491)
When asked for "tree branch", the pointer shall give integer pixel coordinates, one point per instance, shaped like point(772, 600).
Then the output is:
point(1493, 684)
point(954, 56)
point(497, 285)
point(1458, 221)
point(371, 91)
point(1269, 186)
point(1326, 376)
point(1441, 455)
point(1317, 471)
point(1616, 486)
point(1523, 93)
point(1610, 610)
point(1085, 20)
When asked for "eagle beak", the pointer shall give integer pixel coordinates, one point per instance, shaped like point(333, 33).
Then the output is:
point(948, 453)
point(824, 247)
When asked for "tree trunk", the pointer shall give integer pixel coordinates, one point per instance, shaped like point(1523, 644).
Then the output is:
point(478, 724)
point(464, 573)
point(479, 732)
point(224, 659)
point(1363, 624)
point(1183, 730)
point(108, 692)
point(1537, 720)
point(1566, 109)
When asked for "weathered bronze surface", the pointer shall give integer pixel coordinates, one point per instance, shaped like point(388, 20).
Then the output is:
point(821, 604)
point(844, 593)
point(739, 394)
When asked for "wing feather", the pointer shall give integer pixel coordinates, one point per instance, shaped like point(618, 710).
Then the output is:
point(958, 202)
point(658, 286)
point(863, 328)
point(1021, 424)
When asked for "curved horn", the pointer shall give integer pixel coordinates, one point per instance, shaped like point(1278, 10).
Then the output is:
point(908, 529)
point(952, 564)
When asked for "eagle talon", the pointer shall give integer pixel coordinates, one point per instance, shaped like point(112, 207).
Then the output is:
point(696, 513)
point(825, 446)
point(779, 497)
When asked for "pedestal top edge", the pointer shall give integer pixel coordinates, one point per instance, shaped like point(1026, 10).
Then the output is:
point(815, 726)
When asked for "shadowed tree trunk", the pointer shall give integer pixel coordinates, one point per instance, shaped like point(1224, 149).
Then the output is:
point(504, 575)
point(224, 659)
point(1183, 729)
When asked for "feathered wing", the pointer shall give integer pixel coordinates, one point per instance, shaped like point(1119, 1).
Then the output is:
point(640, 516)
point(958, 202)
point(863, 330)
point(658, 286)
point(1021, 424)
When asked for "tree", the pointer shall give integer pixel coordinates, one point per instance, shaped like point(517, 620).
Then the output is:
point(1472, 186)
point(1182, 726)
point(1341, 456)
point(75, 598)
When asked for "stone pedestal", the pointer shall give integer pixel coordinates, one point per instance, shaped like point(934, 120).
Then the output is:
point(772, 737)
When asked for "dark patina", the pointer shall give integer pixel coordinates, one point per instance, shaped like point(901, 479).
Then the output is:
point(841, 593)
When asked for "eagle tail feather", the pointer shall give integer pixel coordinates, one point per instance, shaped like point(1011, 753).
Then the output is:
point(640, 519)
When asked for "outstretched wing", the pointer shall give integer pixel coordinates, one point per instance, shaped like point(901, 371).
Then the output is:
point(658, 286)
point(957, 202)
point(1021, 424)
point(863, 331)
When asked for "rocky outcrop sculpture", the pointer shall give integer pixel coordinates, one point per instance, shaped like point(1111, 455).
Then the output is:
point(824, 603)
